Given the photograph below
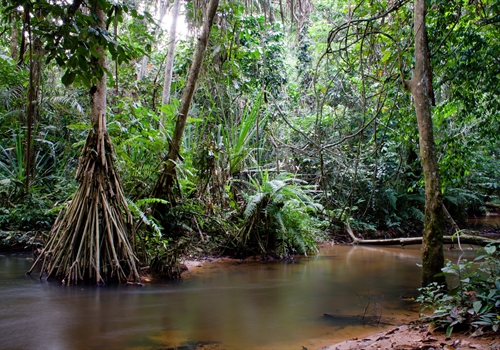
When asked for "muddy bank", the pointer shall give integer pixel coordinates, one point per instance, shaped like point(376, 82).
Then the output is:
point(18, 241)
point(415, 337)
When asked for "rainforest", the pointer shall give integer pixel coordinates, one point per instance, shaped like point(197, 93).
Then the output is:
point(138, 136)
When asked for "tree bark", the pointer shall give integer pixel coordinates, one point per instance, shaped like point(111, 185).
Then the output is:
point(165, 183)
point(99, 92)
point(14, 36)
point(35, 56)
point(419, 86)
point(170, 58)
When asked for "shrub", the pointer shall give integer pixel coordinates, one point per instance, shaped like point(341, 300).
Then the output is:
point(475, 300)
point(280, 218)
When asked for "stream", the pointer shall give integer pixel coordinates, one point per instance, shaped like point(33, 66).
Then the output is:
point(249, 305)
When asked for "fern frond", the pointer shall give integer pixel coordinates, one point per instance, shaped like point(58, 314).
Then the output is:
point(416, 213)
point(254, 204)
point(135, 210)
point(151, 201)
point(277, 185)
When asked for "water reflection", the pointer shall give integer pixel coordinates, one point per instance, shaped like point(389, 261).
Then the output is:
point(240, 306)
point(484, 222)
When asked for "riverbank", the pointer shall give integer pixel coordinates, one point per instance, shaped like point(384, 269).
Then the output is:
point(416, 336)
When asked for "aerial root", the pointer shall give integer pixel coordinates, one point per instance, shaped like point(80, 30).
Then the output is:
point(90, 237)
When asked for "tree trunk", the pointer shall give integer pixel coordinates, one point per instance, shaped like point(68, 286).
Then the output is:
point(165, 183)
point(419, 86)
point(99, 92)
point(14, 37)
point(90, 238)
point(144, 62)
point(35, 55)
point(170, 58)
point(142, 70)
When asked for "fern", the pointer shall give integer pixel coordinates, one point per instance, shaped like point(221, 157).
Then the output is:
point(416, 213)
point(279, 218)
point(254, 203)
point(151, 201)
point(135, 209)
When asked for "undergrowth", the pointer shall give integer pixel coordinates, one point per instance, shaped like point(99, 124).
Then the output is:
point(474, 300)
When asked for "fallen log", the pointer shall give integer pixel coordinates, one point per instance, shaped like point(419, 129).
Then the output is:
point(463, 238)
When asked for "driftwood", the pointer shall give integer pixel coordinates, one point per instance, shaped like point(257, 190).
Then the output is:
point(463, 237)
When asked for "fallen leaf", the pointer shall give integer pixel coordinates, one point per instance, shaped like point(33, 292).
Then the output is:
point(392, 331)
point(428, 340)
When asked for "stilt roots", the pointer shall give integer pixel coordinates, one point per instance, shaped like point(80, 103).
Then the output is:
point(90, 237)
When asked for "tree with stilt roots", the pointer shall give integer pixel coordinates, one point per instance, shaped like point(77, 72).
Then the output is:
point(91, 238)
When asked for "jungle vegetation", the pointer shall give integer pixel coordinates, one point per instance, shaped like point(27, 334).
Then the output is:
point(256, 127)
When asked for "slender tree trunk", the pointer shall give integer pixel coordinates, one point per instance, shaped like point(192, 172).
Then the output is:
point(419, 86)
point(99, 91)
point(14, 37)
point(144, 62)
point(167, 82)
point(117, 81)
point(25, 24)
point(271, 14)
point(142, 71)
point(35, 56)
point(164, 185)
point(264, 5)
point(282, 13)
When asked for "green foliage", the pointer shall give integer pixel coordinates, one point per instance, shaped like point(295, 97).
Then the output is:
point(10, 74)
point(13, 80)
point(259, 56)
point(73, 44)
point(29, 214)
point(139, 146)
point(280, 218)
point(343, 124)
point(154, 247)
point(474, 301)
point(239, 143)
point(467, 84)
point(27, 210)
point(71, 36)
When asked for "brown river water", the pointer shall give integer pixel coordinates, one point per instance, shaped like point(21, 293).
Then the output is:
point(237, 306)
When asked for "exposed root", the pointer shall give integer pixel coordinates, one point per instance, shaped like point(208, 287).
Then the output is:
point(90, 237)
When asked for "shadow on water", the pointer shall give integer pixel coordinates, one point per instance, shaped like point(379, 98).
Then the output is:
point(341, 293)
